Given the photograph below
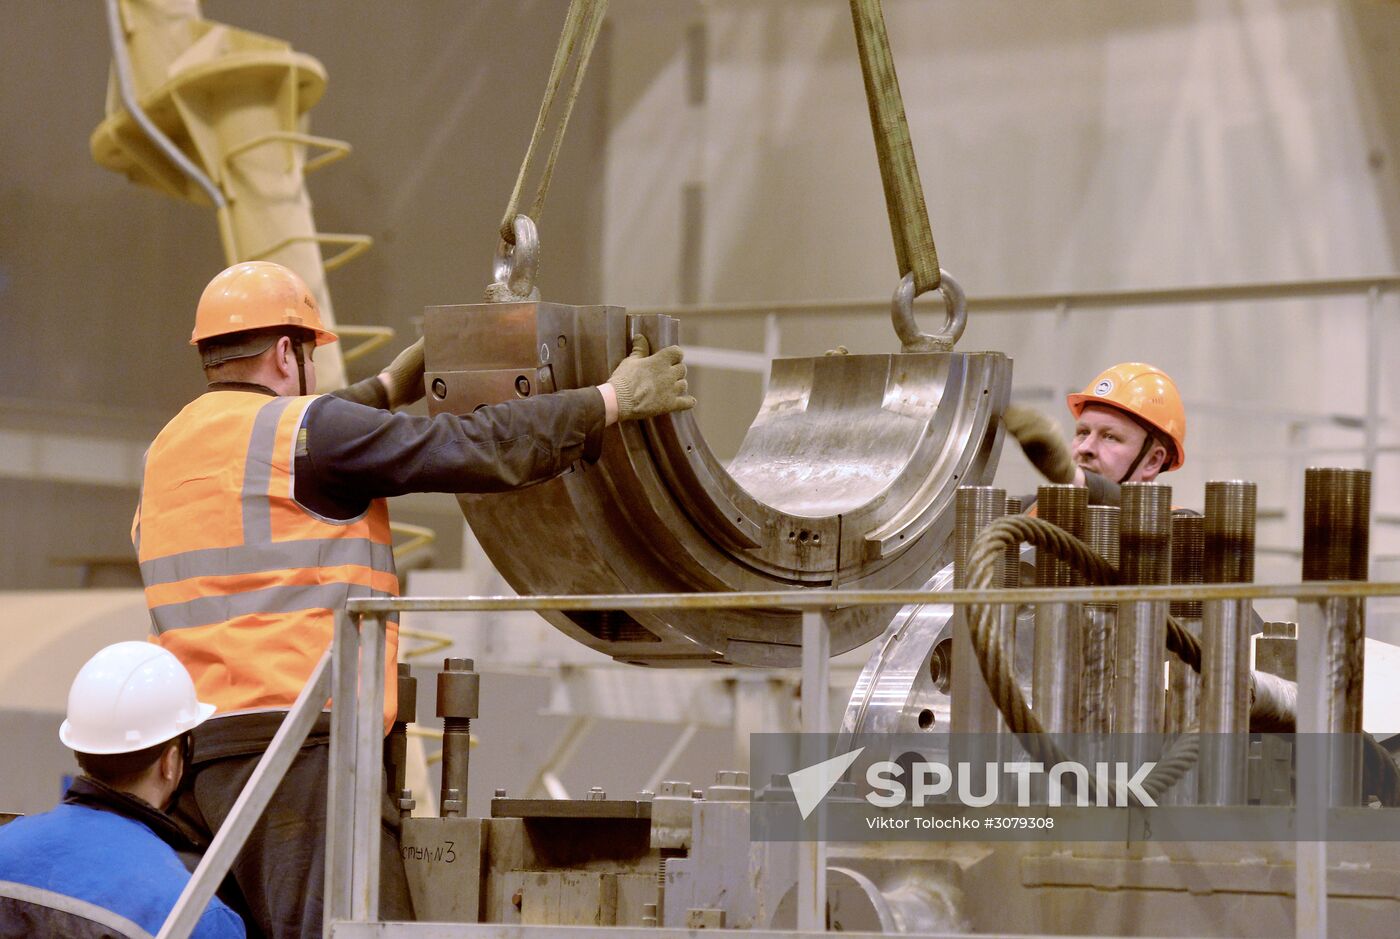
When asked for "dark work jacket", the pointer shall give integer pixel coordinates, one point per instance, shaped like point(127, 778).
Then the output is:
point(349, 454)
point(100, 864)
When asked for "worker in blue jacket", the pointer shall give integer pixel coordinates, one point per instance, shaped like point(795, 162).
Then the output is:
point(107, 860)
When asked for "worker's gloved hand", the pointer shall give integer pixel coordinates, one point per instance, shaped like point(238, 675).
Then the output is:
point(1040, 439)
point(839, 350)
point(650, 385)
point(404, 376)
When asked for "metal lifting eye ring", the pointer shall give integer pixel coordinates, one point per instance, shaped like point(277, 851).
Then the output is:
point(907, 328)
point(515, 265)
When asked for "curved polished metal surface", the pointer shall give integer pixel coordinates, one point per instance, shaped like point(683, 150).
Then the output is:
point(891, 902)
point(845, 478)
point(905, 685)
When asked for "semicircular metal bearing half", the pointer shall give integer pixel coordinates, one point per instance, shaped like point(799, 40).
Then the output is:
point(846, 478)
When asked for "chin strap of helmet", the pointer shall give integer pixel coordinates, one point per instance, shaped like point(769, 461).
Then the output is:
point(301, 370)
point(1146, 448)
point(1148, 442)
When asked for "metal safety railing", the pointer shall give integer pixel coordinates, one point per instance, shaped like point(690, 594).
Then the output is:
point(1061, 301)
point(351, 672)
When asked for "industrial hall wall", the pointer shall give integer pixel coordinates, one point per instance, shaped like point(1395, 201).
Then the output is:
point(1063, 145)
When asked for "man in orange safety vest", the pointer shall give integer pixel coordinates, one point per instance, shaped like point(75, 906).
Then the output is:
point(263, 511)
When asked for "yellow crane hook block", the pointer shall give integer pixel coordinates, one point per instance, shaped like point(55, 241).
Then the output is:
point(216, 115)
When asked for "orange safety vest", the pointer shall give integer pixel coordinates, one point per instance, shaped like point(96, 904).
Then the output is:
point(242, 581)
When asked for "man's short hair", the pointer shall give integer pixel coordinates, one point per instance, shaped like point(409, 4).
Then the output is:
point(120, 770)
point(217, 350)
point(1167, 445)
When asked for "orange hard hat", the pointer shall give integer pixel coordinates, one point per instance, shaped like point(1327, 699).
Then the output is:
point(1144, 392)
point(257, 295)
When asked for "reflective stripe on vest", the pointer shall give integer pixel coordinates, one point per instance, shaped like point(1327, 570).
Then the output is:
point(243, 582)
point(91, 913)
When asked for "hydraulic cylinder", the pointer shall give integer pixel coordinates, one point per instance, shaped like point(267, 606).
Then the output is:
point(1100, 620)
point(458, 696)
point(1059, 629)
point(1144, 546)
point(1332, 631)
point(1183, 681)
point(975, 717)
point(1225, 704)
point(974, 711)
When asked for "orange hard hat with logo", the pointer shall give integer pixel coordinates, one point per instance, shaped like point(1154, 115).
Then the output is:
point(1144, 392)
point(257, 295)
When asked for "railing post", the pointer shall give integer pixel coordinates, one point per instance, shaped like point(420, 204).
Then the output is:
point(1372, 434)
point(816, 685)
point(340, 820)
point(369, 769)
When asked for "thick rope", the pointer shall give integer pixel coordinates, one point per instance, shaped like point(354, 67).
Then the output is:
point(987, 549)
point(581, 26)
point(1095, 569)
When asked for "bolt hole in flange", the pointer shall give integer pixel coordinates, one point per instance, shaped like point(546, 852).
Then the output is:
point(926, 719)
point(522, 386)
point(940, 668)
point(439, 389)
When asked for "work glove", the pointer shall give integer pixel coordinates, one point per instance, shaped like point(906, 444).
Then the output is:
point(650, 385)
point(1041, 441)
point(839, 350)
point(404, 376)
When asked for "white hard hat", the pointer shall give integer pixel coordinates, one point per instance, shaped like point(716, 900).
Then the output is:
point(130, 696)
